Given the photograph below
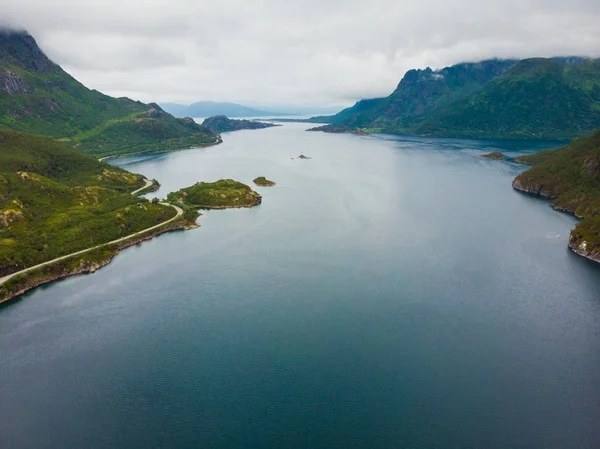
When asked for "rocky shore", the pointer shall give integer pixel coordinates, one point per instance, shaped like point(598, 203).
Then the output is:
point(577, 242)
point(580, 247)
point(495, 155)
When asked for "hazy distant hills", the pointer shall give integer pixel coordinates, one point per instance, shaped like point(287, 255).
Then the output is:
point(38, 96)
point(555, 98)
point(211, 108)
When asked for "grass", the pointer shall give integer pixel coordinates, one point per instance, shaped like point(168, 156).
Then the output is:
point(55, 201)
point(222, 194)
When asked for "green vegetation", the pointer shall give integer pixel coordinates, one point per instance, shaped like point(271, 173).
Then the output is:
point(263, 182)
point(570, 177)
point(221, 124)
point(37, 96)
point(496, 155)
point(55, 201)
point(223, 194)
point(304, 157)
point(537, 98)
point(337, 129)
point(419, 92)
point(146, 132)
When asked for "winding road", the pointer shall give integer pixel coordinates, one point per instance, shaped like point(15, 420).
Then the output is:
point(148, 183)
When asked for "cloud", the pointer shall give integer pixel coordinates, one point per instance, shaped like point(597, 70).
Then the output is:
point(274, 53)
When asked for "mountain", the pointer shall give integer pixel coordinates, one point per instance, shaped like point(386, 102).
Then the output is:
point(145, 132)
point(54, 200)
point(38, 96)
point(221, 124)
point(555, 98)
point(211, 108)
point(537, 98)
point(421, 91)
point(570, 178)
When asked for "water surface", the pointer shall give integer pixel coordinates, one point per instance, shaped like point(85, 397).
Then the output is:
point(389, 292)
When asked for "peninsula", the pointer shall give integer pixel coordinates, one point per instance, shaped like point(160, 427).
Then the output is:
point(220, 124)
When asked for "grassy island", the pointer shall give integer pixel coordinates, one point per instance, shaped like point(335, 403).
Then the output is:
point(496, 155)
point(570, 178)
point(263, 182)
point(223, 194)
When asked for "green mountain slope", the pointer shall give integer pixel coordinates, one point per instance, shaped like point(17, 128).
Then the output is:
point(556, 98)
point(570, 178)
point(39, 97)
point(145, 132)
point(55, 201)
point(419, 92)
point(537, 98)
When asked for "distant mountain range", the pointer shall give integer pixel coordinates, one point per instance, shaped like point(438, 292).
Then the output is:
point(38, 96)
point(211, 108)
point(555, 98)
point(205, 109)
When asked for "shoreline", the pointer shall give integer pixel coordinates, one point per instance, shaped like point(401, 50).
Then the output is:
point(85, 267)
point(142, 153)
point(576, 246)
point(245, 206)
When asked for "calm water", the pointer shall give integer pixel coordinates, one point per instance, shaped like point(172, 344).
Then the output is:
point(389, 292)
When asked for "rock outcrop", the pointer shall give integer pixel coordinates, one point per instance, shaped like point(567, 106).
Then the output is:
point(12, 83)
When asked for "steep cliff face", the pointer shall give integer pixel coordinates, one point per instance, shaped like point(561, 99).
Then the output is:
point(19, 48)
point(12, 83)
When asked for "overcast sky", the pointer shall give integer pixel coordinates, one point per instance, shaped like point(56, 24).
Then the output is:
point(280, 53)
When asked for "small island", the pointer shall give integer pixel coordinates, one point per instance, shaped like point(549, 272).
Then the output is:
point(223, 194)
point(263, 182)
point(221, 124)
point(495, 155)
point(336, 129)
point(304, 157)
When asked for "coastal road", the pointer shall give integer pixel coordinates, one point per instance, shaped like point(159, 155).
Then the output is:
point(83, 251)
point(148, 184)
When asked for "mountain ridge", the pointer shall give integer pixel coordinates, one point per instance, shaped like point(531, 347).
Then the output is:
point(39, 97)
point(479, 100)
